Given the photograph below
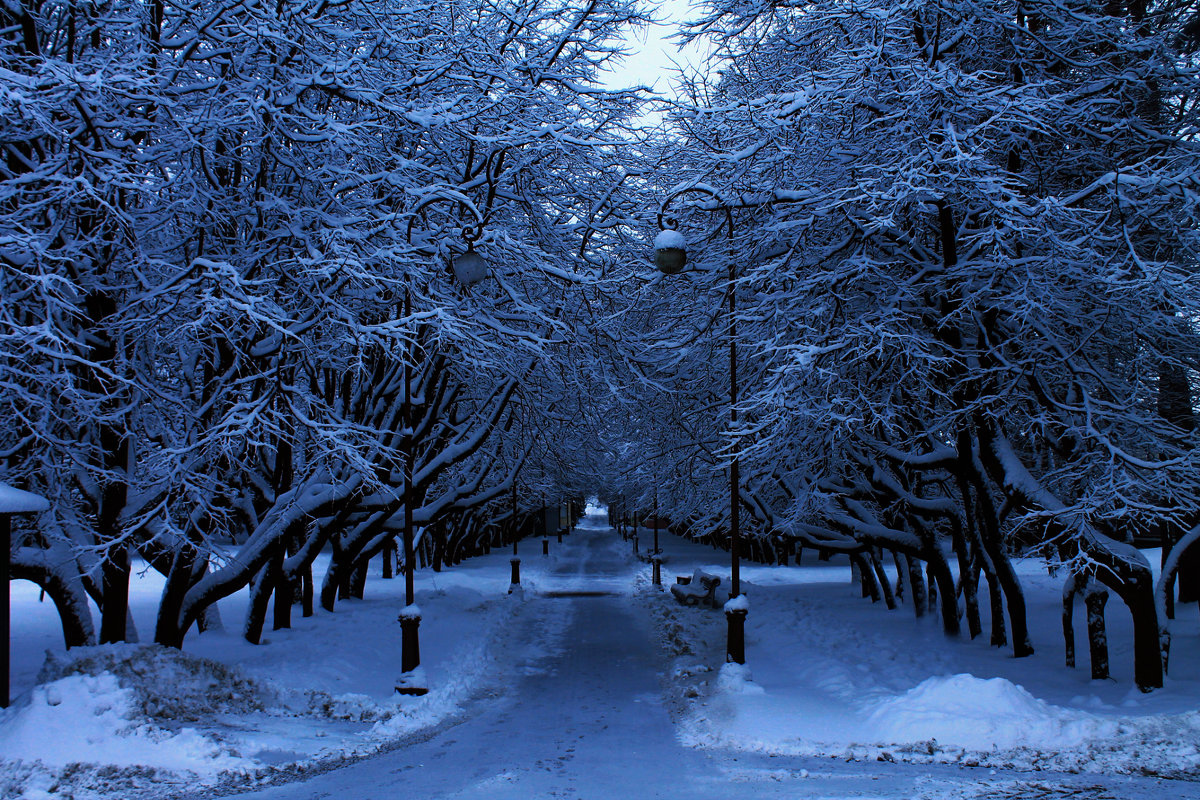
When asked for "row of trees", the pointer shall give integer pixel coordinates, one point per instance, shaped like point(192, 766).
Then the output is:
point(965, 240)
point(230, 337)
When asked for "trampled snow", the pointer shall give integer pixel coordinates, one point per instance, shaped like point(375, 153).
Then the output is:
point(540, 692)
point(315, 694)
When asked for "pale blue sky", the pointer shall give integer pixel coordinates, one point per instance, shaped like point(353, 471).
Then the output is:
point(655, 53)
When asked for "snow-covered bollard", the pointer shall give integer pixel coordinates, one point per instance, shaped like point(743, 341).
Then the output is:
point(412, 679)
point(736, 610)
point(670, 252)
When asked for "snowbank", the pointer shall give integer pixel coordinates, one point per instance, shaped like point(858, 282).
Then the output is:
point(94, 719)
point(835, 675)
point(122, 721)
point(981, 714)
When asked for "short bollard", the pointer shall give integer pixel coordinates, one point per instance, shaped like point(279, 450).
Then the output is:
point(545, 547)
point(560, 537)
point(516, 574)
point(735, 641)
point(412, 677)
point(657, 562)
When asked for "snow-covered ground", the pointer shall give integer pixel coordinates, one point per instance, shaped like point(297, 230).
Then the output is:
point(595, 684)
point(830, 673)
point(126, 720)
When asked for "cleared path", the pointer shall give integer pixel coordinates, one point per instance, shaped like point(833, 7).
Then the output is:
point(593, 726)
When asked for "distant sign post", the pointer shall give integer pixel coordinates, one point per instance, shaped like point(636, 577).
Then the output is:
point(12, 501)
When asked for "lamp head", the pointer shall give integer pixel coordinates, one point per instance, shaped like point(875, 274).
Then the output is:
point(470, 268)
point(670, 252)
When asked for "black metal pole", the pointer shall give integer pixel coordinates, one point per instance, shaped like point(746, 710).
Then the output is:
point(514, 561)
point(410, 622)
point(735, 640)
point(5, 553)
point(656, 548)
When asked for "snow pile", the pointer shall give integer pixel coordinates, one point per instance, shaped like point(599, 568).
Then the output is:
point(94, 719)
point(123, 721)
point(736, 679)
point(838, 676)
point(981, 714)
point(164, 683)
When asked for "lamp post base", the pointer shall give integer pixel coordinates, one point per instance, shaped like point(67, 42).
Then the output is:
point(412, 683)
point(735, 640)
point(412, 679)
point(657, 562)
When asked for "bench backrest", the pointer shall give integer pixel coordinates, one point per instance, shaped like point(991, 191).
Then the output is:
point(705, 579)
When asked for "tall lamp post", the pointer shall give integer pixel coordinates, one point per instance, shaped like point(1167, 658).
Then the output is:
point(670, 258)
point(468, 269)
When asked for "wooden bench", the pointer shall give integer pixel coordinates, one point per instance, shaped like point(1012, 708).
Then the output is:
point(697, 589)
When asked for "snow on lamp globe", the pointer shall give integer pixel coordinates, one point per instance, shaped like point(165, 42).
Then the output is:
point(670, 252)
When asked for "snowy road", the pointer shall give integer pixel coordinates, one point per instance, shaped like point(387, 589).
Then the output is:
point(589, 723)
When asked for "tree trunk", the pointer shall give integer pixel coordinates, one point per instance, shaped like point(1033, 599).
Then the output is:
point(901, 577)
point(260, 596)
point(74, 613)
point(941, 584)
point(968, 581)
point(999, 637)
point(1006, 577)
point(389, 559)
point(1095, 596)
point(180, 578)
point(209, 620)
point(439, 547)
point(1147, 655)
point(306, 589)
point(915, 580)
point(284, 597)
point(884, 585)
point(991, 540)
point(114, 613)
point(870, 587)
point(358, 580)
point(1169, 585)
point(932, 587)
point(1070, 588)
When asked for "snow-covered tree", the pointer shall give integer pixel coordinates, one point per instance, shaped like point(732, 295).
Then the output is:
point(966, 236)
point(232, 335)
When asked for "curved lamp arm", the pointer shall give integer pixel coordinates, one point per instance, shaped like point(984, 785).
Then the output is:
point(469, 268)
point(669, 222)
point(670, 248)
point(470, 233)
